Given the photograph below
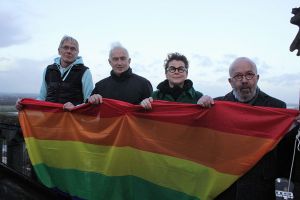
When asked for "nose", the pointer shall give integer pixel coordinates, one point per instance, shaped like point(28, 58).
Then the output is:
point(244, 79)
point(119, 62)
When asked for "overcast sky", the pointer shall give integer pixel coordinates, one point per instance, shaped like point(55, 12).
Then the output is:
point(210, 33)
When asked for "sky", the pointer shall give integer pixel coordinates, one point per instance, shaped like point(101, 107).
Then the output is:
point(211, 34)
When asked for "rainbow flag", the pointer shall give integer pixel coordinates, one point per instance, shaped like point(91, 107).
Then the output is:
point(119, 151)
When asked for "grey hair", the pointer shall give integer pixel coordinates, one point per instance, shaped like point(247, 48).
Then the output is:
point(242, 59)
point(117, 45)
point(68, 38)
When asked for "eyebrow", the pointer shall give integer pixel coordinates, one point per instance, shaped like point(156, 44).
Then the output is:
point(245, 72)
point(177, 67)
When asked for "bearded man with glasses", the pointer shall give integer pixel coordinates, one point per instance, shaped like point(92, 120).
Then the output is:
point(259, 182)
point(243, 80)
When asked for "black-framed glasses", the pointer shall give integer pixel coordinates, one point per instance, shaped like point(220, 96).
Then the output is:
point(240, 77)
point(172, 69)
point(66, 48)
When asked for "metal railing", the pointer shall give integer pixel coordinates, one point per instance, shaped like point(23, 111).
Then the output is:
point(17, 177)
point(13, 151)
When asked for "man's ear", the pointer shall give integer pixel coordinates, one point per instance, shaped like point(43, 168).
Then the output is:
point(59, 53)
point(230, 81)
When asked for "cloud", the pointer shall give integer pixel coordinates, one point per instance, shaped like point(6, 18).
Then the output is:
point(22, 76)
point(287, 80)
point(202, 61)
point(227, 59)
point(5, 63)
point(12, 30)
point(262, 66)
point(153, 71)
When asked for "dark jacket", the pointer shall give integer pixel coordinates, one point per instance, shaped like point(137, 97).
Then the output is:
point(127, 87)
point(187, 94)
point(285, 155)
point(69, 90)
point(259, 182)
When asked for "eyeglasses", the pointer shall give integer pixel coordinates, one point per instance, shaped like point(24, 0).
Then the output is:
point(172, 69)
point(240, 77)
point(66, 48)
point(115, 59)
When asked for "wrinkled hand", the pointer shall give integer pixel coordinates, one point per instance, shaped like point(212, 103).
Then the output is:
point(206, 101)
point(68, 106)
point(95, 99)
point(146, 103)
point(18, 104)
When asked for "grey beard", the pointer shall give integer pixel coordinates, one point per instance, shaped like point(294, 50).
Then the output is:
point(237, 97)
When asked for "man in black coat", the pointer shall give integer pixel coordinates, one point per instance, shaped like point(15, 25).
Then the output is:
point(259, 182)
point(122, 84)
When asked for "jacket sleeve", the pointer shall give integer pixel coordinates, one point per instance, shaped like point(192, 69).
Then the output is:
point(87, 84)
point(148, 89)
point(43, 90)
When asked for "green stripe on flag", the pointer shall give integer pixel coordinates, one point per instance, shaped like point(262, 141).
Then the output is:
point(169, 172)
point(94, 186)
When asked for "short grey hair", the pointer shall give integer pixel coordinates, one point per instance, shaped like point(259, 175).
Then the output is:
point(242, 59)
point(68, 38)
point(117, 45)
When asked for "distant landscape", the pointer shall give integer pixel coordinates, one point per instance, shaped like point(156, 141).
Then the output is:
point(8, 101)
